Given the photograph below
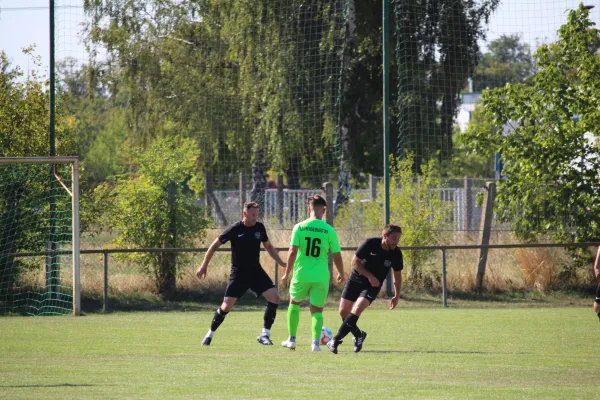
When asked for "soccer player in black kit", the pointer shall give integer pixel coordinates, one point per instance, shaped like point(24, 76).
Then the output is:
point(371, 264)
point(246, 271)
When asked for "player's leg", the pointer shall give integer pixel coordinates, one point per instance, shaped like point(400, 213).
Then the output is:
point(345, 307)
point(218, 318)
point(264, 285)
point(316, 325)
point(318, 296)
point(235, 289)
point(367, 297)
point(597, 302)
point(361, 304)
point(363, 294)
point(298, 292)
point(350, 294)
point(349, 323)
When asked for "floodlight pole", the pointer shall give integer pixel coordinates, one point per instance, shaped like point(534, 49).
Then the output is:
point(386, 124)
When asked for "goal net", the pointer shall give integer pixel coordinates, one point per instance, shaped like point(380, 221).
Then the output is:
point(39, 236)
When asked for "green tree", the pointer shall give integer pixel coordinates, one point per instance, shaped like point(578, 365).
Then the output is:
point(288, 57)
point(167, 64)
point(25, 113)
point(100, 122)
point(465, 161)
point(155, 208)
point(250, 81)
point(542, 132)
point(508, 61)
point(415, 205)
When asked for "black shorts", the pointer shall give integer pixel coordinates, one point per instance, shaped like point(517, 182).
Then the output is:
point(353, 290)
point(257, 281)
point(598, 294)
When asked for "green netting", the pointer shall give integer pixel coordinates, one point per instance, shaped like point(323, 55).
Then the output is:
point(447, 52)
point(288, 93)
point(255, 83)
point(34, 278)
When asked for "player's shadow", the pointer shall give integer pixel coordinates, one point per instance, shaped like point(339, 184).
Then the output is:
point(58, 385)
point(433, 352)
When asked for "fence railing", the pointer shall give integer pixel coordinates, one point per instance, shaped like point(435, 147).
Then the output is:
point(443, 248)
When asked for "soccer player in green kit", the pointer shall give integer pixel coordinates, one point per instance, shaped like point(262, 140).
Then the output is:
point(311, 240)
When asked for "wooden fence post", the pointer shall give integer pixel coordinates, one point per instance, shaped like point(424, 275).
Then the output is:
point(486, 229)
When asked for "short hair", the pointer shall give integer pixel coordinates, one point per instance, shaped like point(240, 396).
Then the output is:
point(250, 205)
point(317, 200)
point(389, 228)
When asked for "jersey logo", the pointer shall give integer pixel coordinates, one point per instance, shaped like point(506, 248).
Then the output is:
point(241, 235)
point(387, 263)
point(373, 254)
point(257, 235)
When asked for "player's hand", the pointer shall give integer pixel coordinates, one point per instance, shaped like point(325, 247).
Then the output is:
point(283, 264)
point(597, 273)
point(374, 282)
point(394, 302)
point(340, 277)
point(284, 279)
point(201, 272)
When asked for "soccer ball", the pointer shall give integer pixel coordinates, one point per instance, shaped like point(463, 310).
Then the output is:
point(326, 335)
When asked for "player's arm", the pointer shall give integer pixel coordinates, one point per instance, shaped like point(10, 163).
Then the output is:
point(339, 265)
point(291, 259)
point(201, 271)
point(597, 264)
point(397, 285)
point(360, 268)
point(273, 253)
point(336, 251)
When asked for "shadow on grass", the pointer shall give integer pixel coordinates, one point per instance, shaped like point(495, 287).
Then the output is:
point(435, 352)
point(188, 300)
point(59, 385)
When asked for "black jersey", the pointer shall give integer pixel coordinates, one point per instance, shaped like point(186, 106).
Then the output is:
point(376, 260)
point(245, 245)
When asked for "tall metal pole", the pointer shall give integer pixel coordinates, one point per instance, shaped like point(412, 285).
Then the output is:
point(386, 124)
point(386, 114)
point(52, 82)
point(52, 273)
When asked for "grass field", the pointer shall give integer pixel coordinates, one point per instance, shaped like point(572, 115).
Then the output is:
point(411, 353)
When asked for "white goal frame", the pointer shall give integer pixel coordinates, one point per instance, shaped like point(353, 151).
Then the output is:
point(74, 193)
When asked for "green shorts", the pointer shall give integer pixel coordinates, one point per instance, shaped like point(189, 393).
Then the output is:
point(317, 290)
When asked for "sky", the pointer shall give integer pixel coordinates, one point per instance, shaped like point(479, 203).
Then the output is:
point(26, 22)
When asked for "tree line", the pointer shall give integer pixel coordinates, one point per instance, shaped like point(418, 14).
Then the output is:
point(293, 88)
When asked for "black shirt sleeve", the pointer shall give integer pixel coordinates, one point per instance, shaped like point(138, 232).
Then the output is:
point(399, 264)
point(363, 250)
point(263, 234)
point(226, 235)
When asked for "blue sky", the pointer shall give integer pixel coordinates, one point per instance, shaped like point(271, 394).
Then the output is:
point(26, 22)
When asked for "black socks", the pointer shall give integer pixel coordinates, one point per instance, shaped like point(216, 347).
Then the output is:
point(270, 313)
point(349, 325)
point(218, 319)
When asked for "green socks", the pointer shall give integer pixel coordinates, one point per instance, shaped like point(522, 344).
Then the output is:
point(293, 318)
point(317, 325)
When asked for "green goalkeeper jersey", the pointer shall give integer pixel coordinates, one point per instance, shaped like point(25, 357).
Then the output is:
point(314, 238)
